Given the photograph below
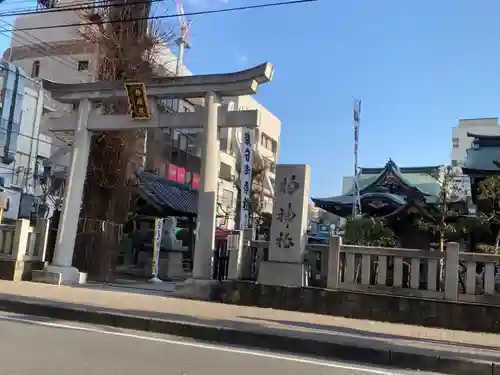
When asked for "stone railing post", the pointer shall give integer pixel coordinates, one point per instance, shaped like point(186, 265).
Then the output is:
point(333, 271)
point(42, 231)
point(236, 256)
point(20, 240)
point(451, 272)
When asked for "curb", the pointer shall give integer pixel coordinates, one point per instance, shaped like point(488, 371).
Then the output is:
point(258, 340)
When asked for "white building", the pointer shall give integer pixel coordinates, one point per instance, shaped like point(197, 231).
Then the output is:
point(62, 55)
point(23, 147)
point(461, 143)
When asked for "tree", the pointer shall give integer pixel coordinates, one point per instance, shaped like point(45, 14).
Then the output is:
point(446, 217)
point(489, 207)
point(446, 214)
point(126, 49)
point(368, 231)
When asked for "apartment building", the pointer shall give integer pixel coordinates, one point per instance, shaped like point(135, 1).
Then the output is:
point(461, 143)
point(63, 55)
point(22, 104)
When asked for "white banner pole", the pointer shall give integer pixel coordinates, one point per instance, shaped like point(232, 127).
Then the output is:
point(247, 140)
point(158, 232)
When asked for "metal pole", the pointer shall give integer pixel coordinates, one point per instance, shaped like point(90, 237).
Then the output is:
point(356, 206)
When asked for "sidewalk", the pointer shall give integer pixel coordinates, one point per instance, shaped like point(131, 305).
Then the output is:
point(430, 349)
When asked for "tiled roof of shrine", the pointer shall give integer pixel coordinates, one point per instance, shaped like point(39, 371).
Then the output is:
point(172, 198)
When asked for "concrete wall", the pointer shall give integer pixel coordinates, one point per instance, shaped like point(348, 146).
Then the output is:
point(357, 305)
point(61, 68)
point(46, 35)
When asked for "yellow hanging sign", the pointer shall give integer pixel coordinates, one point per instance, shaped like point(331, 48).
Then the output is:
point(138, 101)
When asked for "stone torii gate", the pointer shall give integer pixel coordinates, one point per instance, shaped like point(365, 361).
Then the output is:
point(88, 118)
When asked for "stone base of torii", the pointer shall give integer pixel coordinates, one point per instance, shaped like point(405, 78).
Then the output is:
point(87, 118)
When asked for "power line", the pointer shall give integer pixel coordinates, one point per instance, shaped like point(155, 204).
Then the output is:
point(199, 13)
point(53, 48)
point(75, 8)
point(37, 9)
point(37, 48)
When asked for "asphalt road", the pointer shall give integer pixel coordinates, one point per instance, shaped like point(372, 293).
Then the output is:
point(47, 347)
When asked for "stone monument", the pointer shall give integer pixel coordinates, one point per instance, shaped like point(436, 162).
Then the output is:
point(169, 241)
point(288, 239)
point(174, 250)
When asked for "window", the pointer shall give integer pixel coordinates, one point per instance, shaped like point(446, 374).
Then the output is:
point(35, 69)
point(268, 142)
point(183, 142)
point(456, 142)
point(192, 144)
point(223, 144)
point(225, 172)
point(454, 163)
point(83, 65)
point(270, 165)
point(20, 171)
point(226, 198)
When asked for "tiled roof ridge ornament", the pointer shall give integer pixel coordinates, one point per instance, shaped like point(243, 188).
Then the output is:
point(392, 164)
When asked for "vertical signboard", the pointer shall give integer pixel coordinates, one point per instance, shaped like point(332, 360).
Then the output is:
point(247, 140)
point(172, 172)
point(158, 231)
point(181, 175)
point(195, 181)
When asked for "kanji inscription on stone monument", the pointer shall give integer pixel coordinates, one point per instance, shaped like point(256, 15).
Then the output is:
point(289, 225)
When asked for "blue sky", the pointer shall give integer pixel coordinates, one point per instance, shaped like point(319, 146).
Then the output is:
point(417, 66)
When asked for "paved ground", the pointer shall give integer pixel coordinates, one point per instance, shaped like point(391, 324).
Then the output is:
point(479, 346)
point(30, 345)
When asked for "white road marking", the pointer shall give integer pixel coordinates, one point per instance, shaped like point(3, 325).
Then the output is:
point(255, 353)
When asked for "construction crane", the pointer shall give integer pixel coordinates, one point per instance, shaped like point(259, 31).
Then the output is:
point(356, 203)
point(183, 40)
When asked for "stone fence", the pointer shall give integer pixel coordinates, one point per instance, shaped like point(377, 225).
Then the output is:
point(450, 275)
point(22, 248)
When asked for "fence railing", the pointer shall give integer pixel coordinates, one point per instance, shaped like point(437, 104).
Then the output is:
point(419, 273)
point(450, 275)
point(23, 242)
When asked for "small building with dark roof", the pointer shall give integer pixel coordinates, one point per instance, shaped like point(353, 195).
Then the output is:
point(399, 195)
point(161, 197)
point(388, 190)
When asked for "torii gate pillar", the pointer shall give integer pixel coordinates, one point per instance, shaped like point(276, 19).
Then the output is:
point(211, 87)
point(207, 193)
point(61, 266)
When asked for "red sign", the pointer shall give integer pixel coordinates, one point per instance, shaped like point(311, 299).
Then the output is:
point(195, 181)
point(172, 172)
point(181, 175)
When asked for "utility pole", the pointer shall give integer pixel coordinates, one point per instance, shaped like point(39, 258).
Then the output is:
point(356, 204)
